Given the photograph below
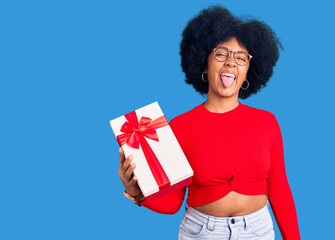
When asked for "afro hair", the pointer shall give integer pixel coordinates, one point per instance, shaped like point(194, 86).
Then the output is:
point(215, 25)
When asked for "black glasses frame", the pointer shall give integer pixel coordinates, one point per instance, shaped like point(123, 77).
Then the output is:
point(214, 49)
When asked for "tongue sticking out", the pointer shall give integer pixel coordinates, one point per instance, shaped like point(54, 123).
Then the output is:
point(227, 81)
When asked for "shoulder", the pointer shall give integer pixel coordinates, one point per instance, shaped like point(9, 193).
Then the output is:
point(181, 125)
point(185, 117)
point(261, 118)
point(251, 114)
point(260, 114)
point(265, 120)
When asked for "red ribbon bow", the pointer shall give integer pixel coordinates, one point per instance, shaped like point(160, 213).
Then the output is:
point(135, 133)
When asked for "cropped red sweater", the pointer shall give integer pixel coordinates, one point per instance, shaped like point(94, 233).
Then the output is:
point(239, 150)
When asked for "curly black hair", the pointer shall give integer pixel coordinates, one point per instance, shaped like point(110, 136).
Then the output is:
point(215, 25)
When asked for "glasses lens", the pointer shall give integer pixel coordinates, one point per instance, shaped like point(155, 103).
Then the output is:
point(242, 58)
point(221, 54)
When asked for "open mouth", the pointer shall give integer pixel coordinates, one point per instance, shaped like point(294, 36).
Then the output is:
point(227, 79)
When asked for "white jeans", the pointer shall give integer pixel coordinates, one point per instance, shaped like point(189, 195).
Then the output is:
point(197, 225)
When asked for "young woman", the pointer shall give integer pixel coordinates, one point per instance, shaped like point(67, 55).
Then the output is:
point(235, 150)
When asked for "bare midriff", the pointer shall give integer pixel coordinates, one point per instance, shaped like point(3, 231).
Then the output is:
point(234, 204)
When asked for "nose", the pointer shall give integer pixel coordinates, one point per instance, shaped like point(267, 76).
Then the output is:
point(230, 61)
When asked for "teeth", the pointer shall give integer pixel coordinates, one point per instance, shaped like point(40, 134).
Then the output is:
point(229, 75)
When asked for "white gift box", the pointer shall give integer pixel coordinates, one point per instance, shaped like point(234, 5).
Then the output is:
point(144, 133)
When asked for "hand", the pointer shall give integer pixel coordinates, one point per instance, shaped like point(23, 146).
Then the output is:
point(127, 177)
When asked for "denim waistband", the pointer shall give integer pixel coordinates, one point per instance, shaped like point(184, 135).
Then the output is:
point(244, 220)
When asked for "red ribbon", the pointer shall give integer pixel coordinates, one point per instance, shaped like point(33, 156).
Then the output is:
point(135, 133)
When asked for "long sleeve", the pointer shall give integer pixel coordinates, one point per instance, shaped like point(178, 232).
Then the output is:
point(167, 204)
point(279, 192)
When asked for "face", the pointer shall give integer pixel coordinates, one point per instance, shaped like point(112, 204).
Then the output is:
point(221, 85)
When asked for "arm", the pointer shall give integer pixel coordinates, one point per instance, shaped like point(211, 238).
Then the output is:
point(167, 204)
point(279, 192)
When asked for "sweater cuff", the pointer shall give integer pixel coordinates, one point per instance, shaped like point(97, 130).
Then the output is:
point(140, 203)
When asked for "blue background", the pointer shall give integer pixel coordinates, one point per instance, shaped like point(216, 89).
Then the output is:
point(68, 67)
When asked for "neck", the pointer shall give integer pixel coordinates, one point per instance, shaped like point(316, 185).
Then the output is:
point(221, 105)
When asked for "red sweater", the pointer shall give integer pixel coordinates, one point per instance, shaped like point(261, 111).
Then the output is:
point(240, 150)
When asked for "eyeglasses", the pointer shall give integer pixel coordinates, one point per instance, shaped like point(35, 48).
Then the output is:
point(222, 54)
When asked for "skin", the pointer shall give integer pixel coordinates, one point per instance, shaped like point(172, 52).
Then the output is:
point(220, 99)
point(126, 170)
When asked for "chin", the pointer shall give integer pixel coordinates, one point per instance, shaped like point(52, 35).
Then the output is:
point(227, 93)
point(230, 90)
point(223, 92)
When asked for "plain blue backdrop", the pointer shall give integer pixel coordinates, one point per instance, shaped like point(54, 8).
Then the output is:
point(68, 67)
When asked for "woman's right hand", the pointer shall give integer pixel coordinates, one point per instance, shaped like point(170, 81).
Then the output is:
point(126, 170)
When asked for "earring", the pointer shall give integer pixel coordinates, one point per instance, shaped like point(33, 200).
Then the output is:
point(243, 83)
point(202, 77)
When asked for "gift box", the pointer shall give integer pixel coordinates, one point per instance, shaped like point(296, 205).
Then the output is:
point(161, 165)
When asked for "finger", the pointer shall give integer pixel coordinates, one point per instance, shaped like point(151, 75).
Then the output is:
point(127, 163)
point(133, 181)
point(121, 154)
point(129, 172)
point(120, 170)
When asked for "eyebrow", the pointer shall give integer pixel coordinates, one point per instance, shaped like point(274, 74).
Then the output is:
point(234, 51)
